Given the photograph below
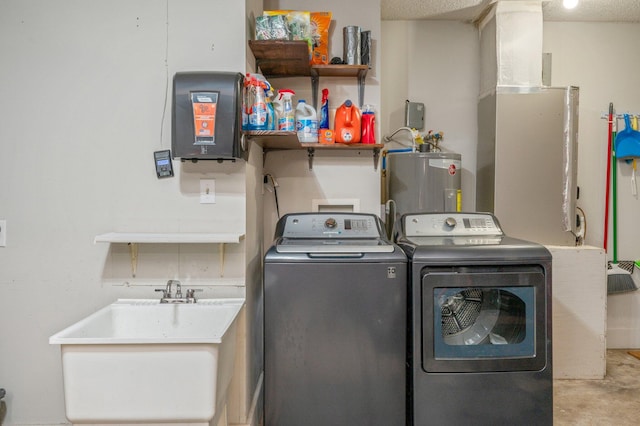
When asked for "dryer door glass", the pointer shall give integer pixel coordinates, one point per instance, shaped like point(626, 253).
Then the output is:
point(483, 318)
point(483, 321)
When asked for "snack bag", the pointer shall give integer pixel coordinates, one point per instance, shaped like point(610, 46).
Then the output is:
point(298, 23)
point(320, 22)
point(263, 28)
point(279, 27)
point(272, 27)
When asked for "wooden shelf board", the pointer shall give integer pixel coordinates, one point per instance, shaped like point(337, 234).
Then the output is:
point(339, 70)
point(355, 146)
point(281, 58)
point(289, 140)
point(284, 58)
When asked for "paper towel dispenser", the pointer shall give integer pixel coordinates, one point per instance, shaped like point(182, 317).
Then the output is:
point(206, 122)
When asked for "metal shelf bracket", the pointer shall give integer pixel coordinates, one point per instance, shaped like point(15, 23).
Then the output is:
point(310, 153)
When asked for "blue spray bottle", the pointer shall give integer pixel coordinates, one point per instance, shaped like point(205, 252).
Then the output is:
point(272, 119)
point(324, 110)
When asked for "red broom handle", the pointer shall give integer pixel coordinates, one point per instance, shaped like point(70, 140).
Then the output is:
point(607, 190)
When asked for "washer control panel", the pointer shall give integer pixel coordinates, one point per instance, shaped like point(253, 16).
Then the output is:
point(451, 225)
point(331, 225)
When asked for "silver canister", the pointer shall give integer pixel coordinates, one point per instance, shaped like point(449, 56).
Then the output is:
point(351, 45)
point(365, 47)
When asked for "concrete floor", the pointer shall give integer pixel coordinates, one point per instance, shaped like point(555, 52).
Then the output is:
point(615, 400)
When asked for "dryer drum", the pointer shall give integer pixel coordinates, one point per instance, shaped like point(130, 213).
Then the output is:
point(478, 316)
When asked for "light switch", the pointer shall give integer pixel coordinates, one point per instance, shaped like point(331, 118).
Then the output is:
point(207, 191)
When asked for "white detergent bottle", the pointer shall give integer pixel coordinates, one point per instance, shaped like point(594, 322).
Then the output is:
point(306, 122)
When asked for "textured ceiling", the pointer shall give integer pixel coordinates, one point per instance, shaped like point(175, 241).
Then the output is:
point(469, 10)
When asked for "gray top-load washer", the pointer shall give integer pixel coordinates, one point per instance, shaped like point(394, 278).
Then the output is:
point(335, 292)
point(480, 340)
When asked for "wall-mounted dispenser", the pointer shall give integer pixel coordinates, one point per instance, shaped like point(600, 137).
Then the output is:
point(206, 122)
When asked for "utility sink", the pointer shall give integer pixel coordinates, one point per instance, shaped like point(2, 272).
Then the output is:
point(141, 361)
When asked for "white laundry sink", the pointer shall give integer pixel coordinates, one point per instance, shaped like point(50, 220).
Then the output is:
point(141, 361)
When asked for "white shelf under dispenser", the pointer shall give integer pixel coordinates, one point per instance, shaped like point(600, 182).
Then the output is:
point(169, 238)
point(135, 238)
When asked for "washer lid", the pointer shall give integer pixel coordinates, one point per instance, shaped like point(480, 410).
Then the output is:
point(334, 246)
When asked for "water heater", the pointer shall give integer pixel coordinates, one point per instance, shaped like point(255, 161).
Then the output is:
point(424, 182)
point(206, 122)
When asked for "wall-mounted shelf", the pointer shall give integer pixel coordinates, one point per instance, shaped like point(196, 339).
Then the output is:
point(283, 58)
point(277, 140)
point(168, 238)
point(135, 238)
point(272, 140)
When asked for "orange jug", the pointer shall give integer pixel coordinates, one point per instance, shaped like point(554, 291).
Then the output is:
point(348, 122)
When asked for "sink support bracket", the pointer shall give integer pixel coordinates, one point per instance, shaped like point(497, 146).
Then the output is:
point(133, 252)
point(221, 259)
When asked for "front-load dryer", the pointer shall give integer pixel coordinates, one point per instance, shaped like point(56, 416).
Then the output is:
point(480, 318)
point(335, 301)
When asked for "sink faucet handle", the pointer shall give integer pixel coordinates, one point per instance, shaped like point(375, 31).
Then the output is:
point(178, 290)
point(191, 291)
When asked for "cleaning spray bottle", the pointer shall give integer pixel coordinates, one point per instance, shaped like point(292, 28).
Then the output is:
point(324, 110)
point(259, 112)
point(245, 103)
point(272, 119)
point(348, 123)
point(286, 113)
point(248, 96)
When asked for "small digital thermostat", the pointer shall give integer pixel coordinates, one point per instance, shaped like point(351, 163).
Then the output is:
point(164, 167)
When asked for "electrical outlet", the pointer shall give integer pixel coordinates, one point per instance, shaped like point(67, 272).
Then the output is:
point(3, 233)
point(207, 191)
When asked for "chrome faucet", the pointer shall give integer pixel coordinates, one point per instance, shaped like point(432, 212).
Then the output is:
point(167, 297)
point(166, 293)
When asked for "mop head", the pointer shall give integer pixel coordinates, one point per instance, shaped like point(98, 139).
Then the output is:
point(620, 277)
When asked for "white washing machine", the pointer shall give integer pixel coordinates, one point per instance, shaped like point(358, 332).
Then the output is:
point(480, 318)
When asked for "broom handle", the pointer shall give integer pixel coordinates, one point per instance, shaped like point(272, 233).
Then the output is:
point(614, 188)
point(607, 178)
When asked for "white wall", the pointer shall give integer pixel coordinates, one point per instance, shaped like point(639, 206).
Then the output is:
point(431, 62)
point(335, 175)
point(437, 63)
point(599, 58)
point(84, 103)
